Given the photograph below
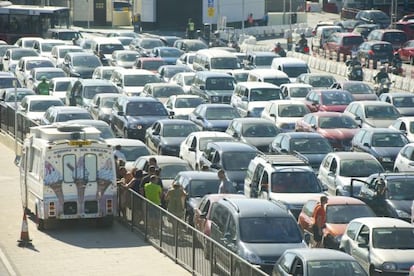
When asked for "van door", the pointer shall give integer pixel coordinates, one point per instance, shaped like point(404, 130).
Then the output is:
point(23, 178)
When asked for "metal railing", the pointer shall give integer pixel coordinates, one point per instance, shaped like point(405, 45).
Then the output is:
point(8, 122)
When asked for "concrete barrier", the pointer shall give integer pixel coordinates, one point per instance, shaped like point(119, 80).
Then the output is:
point(405, 83)
point(398, 83)
point(411, 87)
point(322, 65)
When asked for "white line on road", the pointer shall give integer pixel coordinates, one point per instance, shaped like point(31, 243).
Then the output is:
point(7, 264)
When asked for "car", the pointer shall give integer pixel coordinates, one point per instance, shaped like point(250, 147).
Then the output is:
point(214, 87)
point(170, 166)
point(101, 106)
point(292, 67)
point(374, 17)
point(3, 49)
point(82, 91)
point(131, 148)
point(10, 99)
point(372, 113)
point(328, 100)
point(239, 75)
point(190, 45)
point(144, 45)
point(405, 158)
point(196, 184)
point(260, 231)
point(26, 64)
point(338, 128)
point(215, 117)
point(131, 82)
point(192, 148)
point(396, 37)
point(232, 157)
point(342, 44)
point(182, 105)
point(340, 210)
point(397, 199)
point(103, 47)
point(406, 52)
point(365, 29)
point(122, 33)
point(257, 132)
point(259, 60)
point(131, 116)
point(316, 261)
point(169, 39)
point(348, 25)
point(56, 114)
point(284, 113)
point(104, 72)
point(186, 59)
point(13, 55)
point(125, 41)
point(34, 106)
point(360, 90)
point(383, 143)
point(58, 86)
point(405, 125)
point(68, 35)
point(338, 168)
point(407, 27)
point(403, 101)
point(376, 52)
point(295, 91)
point(166, 72)
point(124, 58)
point(44, 46)
point(36, 74)
point(26, 42)
point(59, 52)
point(313, 146)
point(149, 63)
point(316, 80)
point(322, 33)
point(165, 136)
point(381, 245)
point(161, 91)
point(168, 53)
point(80, 64)
point(103, 127)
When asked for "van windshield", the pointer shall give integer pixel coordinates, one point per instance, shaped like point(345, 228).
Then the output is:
point(295, 182)
point(269, 230)
point(264, 61)
point(295, 70)
point(265, 94)
point(224, 63)
point(220, 83)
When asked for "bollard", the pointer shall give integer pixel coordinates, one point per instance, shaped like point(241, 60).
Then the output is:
point(341, 57)
point(321, 53)
point(371, 64)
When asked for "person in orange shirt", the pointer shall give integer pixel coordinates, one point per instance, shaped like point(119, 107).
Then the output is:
point(319, 219)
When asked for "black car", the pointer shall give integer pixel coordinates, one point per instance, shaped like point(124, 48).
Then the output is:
point(165, 136)
point(131, 116)
point(196, 184)
point(313, 146)
point(377, 51)
point(397, 199)
point(365, 29)
point(374, 17)
point(213, 117)
point(383, 143)
point(80, 64)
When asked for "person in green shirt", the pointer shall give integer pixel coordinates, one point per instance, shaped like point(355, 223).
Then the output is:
point(153, 191)
point(43, 87)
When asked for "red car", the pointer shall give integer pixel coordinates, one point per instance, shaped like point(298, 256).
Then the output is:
point(407, 52)
point(342, 43)
point(328, 100)
point(407, 27)
point(338, 128)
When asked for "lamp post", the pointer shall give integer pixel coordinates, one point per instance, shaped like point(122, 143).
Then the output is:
point(89, 13)
point(243, 16)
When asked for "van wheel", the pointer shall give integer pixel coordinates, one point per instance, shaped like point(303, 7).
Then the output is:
point(40, 223)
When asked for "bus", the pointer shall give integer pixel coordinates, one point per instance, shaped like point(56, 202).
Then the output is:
point(18, 21)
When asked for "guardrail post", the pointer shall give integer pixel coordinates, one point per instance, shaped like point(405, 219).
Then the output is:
point(132, 210)
point(193, 249)
point(160, 231)
point(175, 229)
point(146, 221)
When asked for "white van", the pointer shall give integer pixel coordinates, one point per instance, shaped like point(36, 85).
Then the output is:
point(215, 60)
point(293, 67)
point(322, 34)
point(272, 76)
point(103, 47)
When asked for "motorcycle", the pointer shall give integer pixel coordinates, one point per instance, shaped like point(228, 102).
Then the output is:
point(396, 68)
point(304, 49)
point(354, 72)
point(383, 86)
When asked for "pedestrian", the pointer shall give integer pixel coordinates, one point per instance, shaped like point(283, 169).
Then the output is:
point(153, 191)
point(319, 220)
point(43, 87)
point(190, 28)
point(226, 187)
point(122, 189)
point(175, 200)
point(265, 19)
point(250, 20)
point(136, 22)
point(118, 153)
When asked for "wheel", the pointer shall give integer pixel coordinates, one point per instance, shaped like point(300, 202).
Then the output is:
point(40, 223)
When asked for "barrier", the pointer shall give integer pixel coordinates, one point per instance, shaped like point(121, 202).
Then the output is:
point(398, 83)
point(341, 57)
point(411, 86)
point(322, 65)
point(371, 64)
point(405, 83)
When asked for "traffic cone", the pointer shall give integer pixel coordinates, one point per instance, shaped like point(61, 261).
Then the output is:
point(24, 235)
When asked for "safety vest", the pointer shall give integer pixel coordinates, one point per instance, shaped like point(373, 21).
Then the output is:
point(191, 26)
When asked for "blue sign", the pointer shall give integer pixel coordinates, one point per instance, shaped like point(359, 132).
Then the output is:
point(210, 3)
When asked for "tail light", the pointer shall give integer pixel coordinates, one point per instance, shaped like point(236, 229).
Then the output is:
point(109, 206)
point(52, 210)
point(370, 52)
point(306, 49)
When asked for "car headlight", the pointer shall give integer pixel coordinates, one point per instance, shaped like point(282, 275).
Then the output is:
point(215, 99)
point(137, 126)
point(389, 266)
point(402, 214)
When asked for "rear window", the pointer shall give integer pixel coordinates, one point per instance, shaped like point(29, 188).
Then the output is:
point(352, 40)
point(382, 48)
point(395, 37)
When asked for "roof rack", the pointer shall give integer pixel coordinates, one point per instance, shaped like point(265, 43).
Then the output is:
point(285, 159)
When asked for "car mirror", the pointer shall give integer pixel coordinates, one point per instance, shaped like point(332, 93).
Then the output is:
point(273, 115)
point(171, 113)
point(6, 58)
point(244, 99)
point(357, 118)
point(367, 145)
point(121, 113)
point(235, 135)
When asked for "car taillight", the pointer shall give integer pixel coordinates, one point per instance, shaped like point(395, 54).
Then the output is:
point(109, 206)
point(306, 49)
point(52, 210)
point(370, 52)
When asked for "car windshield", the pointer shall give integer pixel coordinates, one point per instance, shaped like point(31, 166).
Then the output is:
point(269, 230)
point(205, 140)
point(107, 49)
point(174, 53)
point(359, 168)
point(299, 92)
point(407, 101)
point(260, 130)
point(106, 132)
point(140, 80)
point(400, 189)
point(352, 40)
point(47, 47)
point(295, 182)
point(149, 44)
point(395, 37)
point(237, 160)
point(393, 238)
point(321, 81)
point(167, 91)
point(69, 35)
point(292, 110)
point(62, 85)
point(171, 71)
point(38, 63)
point(42, 106)
point(224, 63)
point(170, 171)
point(264, 61)
point(265, 94)
point(107, 73)
point(90, 91)
point(381, 112)
point(8, 82)
point(336, 98)
point(64, 51)
point(188, 80)
point(50, 75)
point(146, 109)
point(182, 130)
point(220, 84)
point(310, 146)
point(200, 188)
point(344, 213)
point(128, 57)
point(86, 61)
point(188, 102)
point(337, 122)
point(108, 102)
point(152, 65)
point(389, 140)
point(217, 113)
point(132, 153)
point(239, 77)
point(359, 88)
point(294, 71)
point(337, 267)
point(16, 55)
point(20, 96)
point(277, 81)
point(72, 116)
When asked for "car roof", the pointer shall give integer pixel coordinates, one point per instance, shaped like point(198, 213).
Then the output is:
point(201, 134)
point(47, 69)
point(308, 135)
point(95, 82)
point(124, 142)
point(320, 254)
point(370, 103)
point(268, 72)
point(88, 122)
point(253, 120)
point(213, 74)
point(69, 109)
point(175, 122)
point(263, 54)
point(382, 222)
point(74, 54)
point(234, 146)
point(256, 84)
point(382, 130)
point(140, 99)
point(284, 102)
point(253, 207)
point(345, 200)
point(164, 84)
point(199, 175)
point(399, 94)
point(347, 155)
point(328, 114)
point(162, 159)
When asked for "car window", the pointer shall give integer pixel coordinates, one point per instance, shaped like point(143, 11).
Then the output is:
point(286, 262)
point(352, 229)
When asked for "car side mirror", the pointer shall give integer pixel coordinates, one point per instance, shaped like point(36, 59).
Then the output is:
point(367, 145)
point(121, 113)
point(363, 244)
point(235, 135)
point(272, 115)
point(244, 99)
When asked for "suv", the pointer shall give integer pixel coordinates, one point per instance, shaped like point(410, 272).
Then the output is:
point(258, 230)
point(374, 17)
point(342, 43)
point(214, 87)
point(288, 178)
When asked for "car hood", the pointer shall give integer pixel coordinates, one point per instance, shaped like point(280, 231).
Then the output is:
point(394, 255)
point(406, 111)
point(335, 229)
point(403, 205)
point(365, 97)
point(259, 141)
point(295, 198)
point(333, 108)
point(338, 133)
point(147, 120)
point(387, 151)
point(134, 90)
point(270, 252)
point(172, 141)
point(257, 104)
point(219, 123)
point(379, 122)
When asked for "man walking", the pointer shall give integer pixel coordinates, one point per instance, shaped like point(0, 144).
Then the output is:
point(319, 220)
point(226, 187)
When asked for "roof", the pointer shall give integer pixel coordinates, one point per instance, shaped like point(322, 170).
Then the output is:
point(399, 94)
point(365, 103)
point(163, 84)
point(124, 142)
point(42, 97)
point(268, 72)
point(252, 120)
point(284, 102)
point(234, 146)
point(211, 105)
point(336, 200)
point(163, 159)
point(175, 122)
point(257, 84)
point(215, 53)
point(95, 82)
point(353, 155)
point(253, 207)
point(328, 114)
point(307, 135)
point(89, 122)
point(263, 54)
point(47, 69)
point(74, 54)
point(320, 254)
point(383, 222)
point(213, 74)
point(124, 71)
point(140, 99)
point(69, 109)
point(382, 130)
point(210, 134)
point(199, 175)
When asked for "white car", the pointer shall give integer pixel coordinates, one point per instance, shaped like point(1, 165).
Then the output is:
point(192, 148)
point(26, 64)
point(186, 59)
point(182, 105)
point(13, 55)
point(34, 106)
point(59, 51)
point(27, 42)
point(59, 85)
point(285, 113)
point(295, 91)
point(184, 79)
point(404, 162)
point(44, 46)
point(131, 82)
point(405, 125)
point(104, 72)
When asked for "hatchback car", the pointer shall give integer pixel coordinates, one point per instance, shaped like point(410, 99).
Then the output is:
point(396, 37)
point(406, 52)
point(284, 113)
point(328, 100)
point(317, 80)
point(80, 64)
point(101, 106)
point(36, 74)
point(342, 43)
point(406, 126)
point(372, 113)
point(34, 106)
point(295, 91)
point(166, 72)
point(183, 79)
point(404, 162)
point(216, 117)
point(145, 45)
point(375, 51)
point(403, 101)
point(365, 29)
point(161, 91)
point(13, 55)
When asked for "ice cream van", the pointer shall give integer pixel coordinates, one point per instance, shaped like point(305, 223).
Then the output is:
point(67, 172)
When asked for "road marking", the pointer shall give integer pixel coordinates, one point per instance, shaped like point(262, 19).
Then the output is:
point(7, 264)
